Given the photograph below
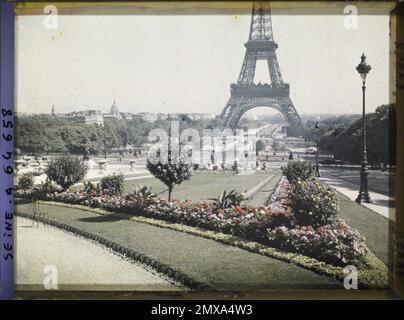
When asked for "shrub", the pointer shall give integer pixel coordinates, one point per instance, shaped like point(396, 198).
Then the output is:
point(253, 224)
point(112, 184)
point(142, 194)
point(92, 188)
point(25, 181)
point(66, 171)
point(299, 170)
point(46, 187)
point(313, 203)
point(36, 173)
point(227, 200)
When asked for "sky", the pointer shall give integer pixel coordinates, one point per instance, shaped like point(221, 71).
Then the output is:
point(186, 63)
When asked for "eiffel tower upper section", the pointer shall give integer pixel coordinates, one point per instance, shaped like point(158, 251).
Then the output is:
point(260, 46)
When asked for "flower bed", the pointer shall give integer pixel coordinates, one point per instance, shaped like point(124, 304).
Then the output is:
point(338, 245)
point(274, 225)
point(249, 222)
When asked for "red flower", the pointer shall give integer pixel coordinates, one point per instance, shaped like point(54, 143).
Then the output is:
point(309, 228)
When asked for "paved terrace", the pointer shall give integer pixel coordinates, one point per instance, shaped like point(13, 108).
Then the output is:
point(374, 221)
point(381, 188)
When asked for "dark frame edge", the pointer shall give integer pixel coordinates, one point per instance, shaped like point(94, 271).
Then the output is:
point(6, 150)
point(397, 274)
point(397, 78)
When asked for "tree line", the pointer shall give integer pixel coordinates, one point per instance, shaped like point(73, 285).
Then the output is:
point(342, 136)
point(42, 134)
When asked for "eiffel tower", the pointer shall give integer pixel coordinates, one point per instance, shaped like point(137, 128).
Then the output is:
point(245, 94)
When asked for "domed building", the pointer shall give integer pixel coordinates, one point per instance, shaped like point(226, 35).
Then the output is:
point(113, 111)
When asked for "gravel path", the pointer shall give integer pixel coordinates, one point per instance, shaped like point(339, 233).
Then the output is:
point(261, 197)
point(220, 266)
point(79, 262)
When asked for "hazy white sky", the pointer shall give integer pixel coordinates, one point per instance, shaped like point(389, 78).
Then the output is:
point(186, 63)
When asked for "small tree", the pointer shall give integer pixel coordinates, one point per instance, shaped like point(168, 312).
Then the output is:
point(302, 170)
point(25, 181)
point(66, 171)
point(169, 169)
point(112, 184)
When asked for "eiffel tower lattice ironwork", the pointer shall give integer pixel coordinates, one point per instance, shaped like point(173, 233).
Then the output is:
point(245, 94)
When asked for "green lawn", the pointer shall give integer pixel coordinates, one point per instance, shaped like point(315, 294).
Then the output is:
point(200, 186)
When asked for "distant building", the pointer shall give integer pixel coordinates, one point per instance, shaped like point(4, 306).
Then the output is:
point(147, 116)
point(152, 117)
point(126, 115)
point(86, 117)
point(113, 112)
point(200, 116)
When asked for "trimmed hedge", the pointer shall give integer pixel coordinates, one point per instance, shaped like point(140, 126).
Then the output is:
point(313, 203)
point(25, 181)
point(112, 184)
point(299, 170)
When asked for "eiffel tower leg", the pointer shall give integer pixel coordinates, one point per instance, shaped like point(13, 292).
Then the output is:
point(233, 121)
point(234, 113)
point(295, 123)
point(274, 70)
point(247, 72)
point(226, 110)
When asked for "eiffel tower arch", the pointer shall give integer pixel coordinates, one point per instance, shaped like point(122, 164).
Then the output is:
point(245, 94)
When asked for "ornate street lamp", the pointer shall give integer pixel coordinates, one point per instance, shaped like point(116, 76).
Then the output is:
point(363, 196)
point(317, 126)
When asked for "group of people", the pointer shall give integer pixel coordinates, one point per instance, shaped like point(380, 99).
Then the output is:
point(263, 165)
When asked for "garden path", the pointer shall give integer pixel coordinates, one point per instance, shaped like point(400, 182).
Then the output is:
point(382, 203)
point(80, 264)
point(264, 192)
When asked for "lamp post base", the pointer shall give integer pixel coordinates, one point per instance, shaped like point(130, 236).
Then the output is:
point(363, 195)
point(318, 171)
